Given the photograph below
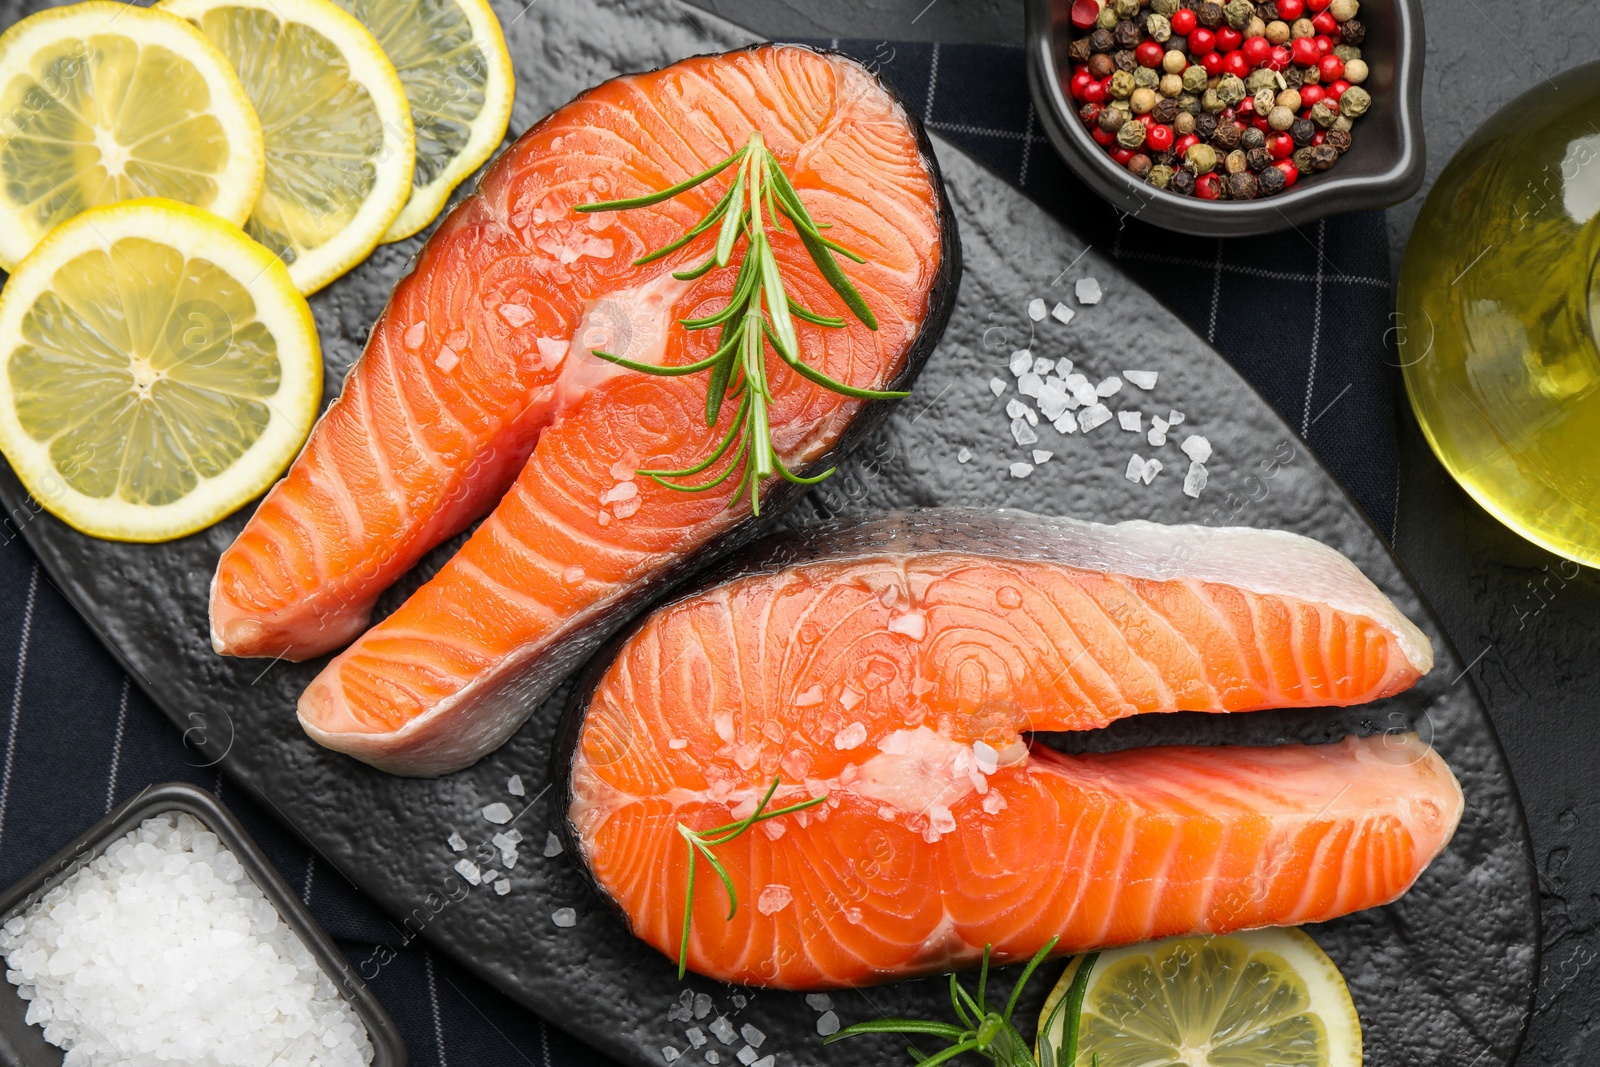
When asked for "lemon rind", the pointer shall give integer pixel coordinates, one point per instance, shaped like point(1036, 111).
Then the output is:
point(370, 66)
point(240, 182)
point(488, 127)
point(279, 307)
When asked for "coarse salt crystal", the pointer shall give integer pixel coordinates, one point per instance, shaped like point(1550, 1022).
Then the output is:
point(828, 1023)
point(994, 803)
point(1195, 480)
point(1129, 420)
point(766, 1061)
point(1093, 416)
point(1036, 310)
point(747, 1056)
point(502, 886)
point(809, 697)
point(988, 759)
point(1174, 417)
point(1197, 448)
point(852, 736)
point(722, 1030)
point(669, 1053)
point(1135, 469)
point(1067, 423)
point(1030, 384)
point(1088, 291)
point(1157, 436)
point(1015, 408)
point(1042, 366)
point(1021, 470)
point(697, 1037)
point(1053, 403)
point(912, 624)
point(1062, 314)
point(1151, 469)
point(515, 787)
point(678, 744)
point(996, 386)
point(1022, 432)
point(848, 698)
point(564, 918)
point(1063, 366)
point(1021, 362)
point(702, 1005)
point(516, 315)
point(1040, 456)
point(552, 845)
point(497, 813)
point(447, 359)
point(457, 842)
point(469, 871)
point(415, 334)
point(1144, 379)
point(773, 899)
point(964, 456)
point(1108, 387)
point(819, 1002)
point(722, 723)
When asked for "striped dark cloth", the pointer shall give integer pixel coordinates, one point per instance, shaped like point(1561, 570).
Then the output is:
point(1302, 314)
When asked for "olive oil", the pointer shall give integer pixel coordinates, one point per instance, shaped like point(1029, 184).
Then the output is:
point(1499, 302)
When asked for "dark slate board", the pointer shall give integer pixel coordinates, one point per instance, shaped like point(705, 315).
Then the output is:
point(1445, 976)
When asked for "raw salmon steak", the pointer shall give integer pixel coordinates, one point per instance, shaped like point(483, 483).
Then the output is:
point(897, 666)
point(478, 371)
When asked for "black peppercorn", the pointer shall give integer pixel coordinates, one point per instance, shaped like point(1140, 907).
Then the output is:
point(1078, 51)
point(1140, 165)
point(1100, 66)
point(1352, 32)
point(1303, 131)
point(1205, 125)
point(1209, 14)
point(1302, 160)
point(1165, 111)
point(1142, 20)
point(1242, 186)
point(1227, 136)
point(1258, 159)
point(1339, 139)
point(1323, 156)
point(1182, 182)
point(1101, 41)
point(1271, 181)
point(1111, 119)
point(1124, 60)
point(1252, 138)
point(1293, 78)
point(1126, 35)
point(1267, 12)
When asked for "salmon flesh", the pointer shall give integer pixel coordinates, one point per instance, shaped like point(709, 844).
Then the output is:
point(897, 667)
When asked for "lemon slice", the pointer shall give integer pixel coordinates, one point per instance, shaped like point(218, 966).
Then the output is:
point(452, 60)
point(104, 101)
point(161, 369)
point(1267, 998)
point(339, 139)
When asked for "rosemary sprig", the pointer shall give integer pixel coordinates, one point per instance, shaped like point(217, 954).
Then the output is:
point(701, 842)
point(990, 1033)
point(758, 313)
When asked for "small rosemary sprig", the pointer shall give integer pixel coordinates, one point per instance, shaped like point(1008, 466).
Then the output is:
point(701, 842)
point(990, 1033)
point(759, 312)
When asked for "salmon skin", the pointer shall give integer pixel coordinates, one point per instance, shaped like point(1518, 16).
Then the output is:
point(896, 666)
point(578, 542)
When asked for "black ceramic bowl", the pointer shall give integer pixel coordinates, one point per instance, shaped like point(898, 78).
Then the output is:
point(1384, 165)
point(22, 1045)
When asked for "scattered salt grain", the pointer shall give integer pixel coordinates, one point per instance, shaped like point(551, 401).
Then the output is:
point(1021, 470)
point(489, 875)
point(1022, 432)
point(1062, 314)
point(697, 1037)
point(819, 1002)
point(1053, 403)
point(914, 624)
point(994, 803)
point(747, 1056)
point(565, 918)
point(712, 1056)
point(1015, 408)
point(1144, 379)
point(669, 1053)
point(996, 386)
point(469, 871)
point(773, 899)
point(964, 456)
point(447, 359)
point(1036, 310)
point(552, 845)
point(1067, 423)
point(828, 1024)
point(1088, 291)
point(766, 1061)
point(515, 787)
point(502, 886)
point(1174, 417)
point(415, 334)
point(1041, 457)
point(1093, 416)
point(1151, 469)
point(1063, 366)
point(516, 315)
point(702, 1005)
point(678, 744)
point(1108, 387)
point(1021, 362)
point(1030, 384)
point(852, 736)
point(1158, 431)
point(722, 1030)
point(1130, 420)
point(809, 697)
point(752, 1035)
point(1042, 366)
point(497, 813)
point(848, 698)
point(457, 842)
point(1197, 448)
point(1195, 480)
point(987, 758)
point(1135, 470)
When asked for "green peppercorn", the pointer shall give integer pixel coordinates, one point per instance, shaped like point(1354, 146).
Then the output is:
point(1158, 27)
point(1302, 28)
point(1292, 78)
point(1258, 159)
point(1264, 99)
point(1278, 32)
point(1302, 159)
point(1239, 13)
point(1160, 176)
point(1201, 158)
point(1107, 19)
point(1344, 125)
point(1212, 101)
point(1349, 53)
point(1164, 7)
point(1122, 85)
point(1340, 139)
point(1194, 79)
point(1303, 131)
point(1145, 78)
point(1252, 138)
point(1355, 102)
point(1270, 181)
point(1353, 32)
point(1280, 118)
point(1140, 165)
point(1183, 124)
point(1344, 10)
point(1242, 185)
point(1324, 116)
point(1171, 85)
point(1100, 66)
point(1310, 76)
point(1190, 103)
point(1209, 14)
point(1231, 90)
point(1181, 182)
point(1131, 135)
point(1259, 79)
point(1234, 162)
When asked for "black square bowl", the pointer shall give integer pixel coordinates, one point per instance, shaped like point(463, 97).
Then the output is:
point(22, 1045)
point(1384, 165)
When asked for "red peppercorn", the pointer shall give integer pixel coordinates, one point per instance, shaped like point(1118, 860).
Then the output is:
point(1332, 68)
point(1280, 59)
point(1208, 186)
point(1122, 155)
point(1261, 124)
point(1183, 144)
point(1084, 12)
point(1257, 50)
point(1319, 5)
point(1103, 138)
point(1291, 173)
point(1236, 64)
point(1305, 51)
point(1078, 83)
point(1228, 39)
point(1281, 145)
point(1289, 10)
point(1311, 94)
point(1337, 90)
point(1202, 41)
point(1089, 113)
point(1184, 22)
point(1326, 24)
point(1149, 54)
point(1246, 108)
point(1094, 93)
point(1324, 44)
point(1158, 138)
point(1212, 62)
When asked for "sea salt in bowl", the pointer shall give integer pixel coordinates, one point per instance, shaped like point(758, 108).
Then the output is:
point(162, 936)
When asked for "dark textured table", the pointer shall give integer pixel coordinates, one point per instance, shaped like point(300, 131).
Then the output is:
point(1530, 631)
